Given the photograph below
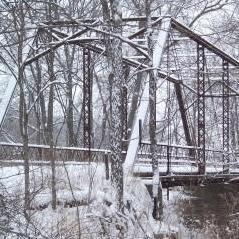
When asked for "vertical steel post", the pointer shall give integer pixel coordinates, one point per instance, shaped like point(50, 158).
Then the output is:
point(168, 160)
point(87, 96)
point(140, 132)
point(124, 110)
point(124, 117)
point(107, 168)
point(225, 115)
point(201, 107)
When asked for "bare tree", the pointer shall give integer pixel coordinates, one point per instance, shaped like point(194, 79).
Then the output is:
point(113, 19)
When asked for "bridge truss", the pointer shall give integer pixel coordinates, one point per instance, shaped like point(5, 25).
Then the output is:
point(196, 82)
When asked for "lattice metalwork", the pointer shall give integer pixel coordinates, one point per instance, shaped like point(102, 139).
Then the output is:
point(87, 98)
point(124, 104)
point(226, 114)
point(201, 107)
point(124, 116)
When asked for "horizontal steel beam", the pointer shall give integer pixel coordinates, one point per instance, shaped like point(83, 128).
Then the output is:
point(175, 24)
point(66, 39)
point(91, 20)
point(37, 146)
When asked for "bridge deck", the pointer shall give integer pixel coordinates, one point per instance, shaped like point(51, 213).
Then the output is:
point(186, 180)
point(182, 173)
point(145, 170)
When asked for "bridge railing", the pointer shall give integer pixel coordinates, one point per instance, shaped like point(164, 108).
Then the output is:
point(185, 155)
point(176, 155)
point(13, 152)
point(165, 152)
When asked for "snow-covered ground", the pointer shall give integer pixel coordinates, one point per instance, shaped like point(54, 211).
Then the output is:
point(86, 204)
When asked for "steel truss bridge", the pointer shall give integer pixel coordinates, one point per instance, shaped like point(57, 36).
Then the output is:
point(196, 83)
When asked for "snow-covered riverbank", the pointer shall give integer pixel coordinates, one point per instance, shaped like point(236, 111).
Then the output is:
point(86, 205)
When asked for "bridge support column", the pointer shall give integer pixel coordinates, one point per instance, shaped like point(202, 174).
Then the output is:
point(124, 113)
point(225, 116)
point(201, 108)
point(87, 98)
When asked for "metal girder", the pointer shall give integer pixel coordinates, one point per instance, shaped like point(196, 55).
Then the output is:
point(203, 42)
point(87, 95)
point(92, 20)
point(69, 39)
point(175, 24)
point(183, 113)
point(201, 107)
point(225, 115)
point(54, 47)
point(124, 111)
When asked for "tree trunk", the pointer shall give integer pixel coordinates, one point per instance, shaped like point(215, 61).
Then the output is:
point(113, 15)
point(157, 188)
point(23, 122)
point(19, 22)
point(50, 138)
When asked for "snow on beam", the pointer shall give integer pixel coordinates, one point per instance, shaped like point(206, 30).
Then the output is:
point(192, 35)
point(57, 45)
point(43, 146)
point(144, 101)
point(131, 62)
point(144, 29)
point(91, 20)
